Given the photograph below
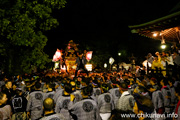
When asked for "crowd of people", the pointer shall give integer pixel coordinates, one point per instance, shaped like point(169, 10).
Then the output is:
point(115, 95)
point(165, 61)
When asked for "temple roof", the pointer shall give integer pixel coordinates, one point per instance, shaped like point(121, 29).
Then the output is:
point(167, 27)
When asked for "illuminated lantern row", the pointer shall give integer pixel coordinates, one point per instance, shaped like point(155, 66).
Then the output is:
point(57, 56)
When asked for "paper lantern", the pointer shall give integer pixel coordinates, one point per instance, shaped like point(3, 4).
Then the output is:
point(89, 55)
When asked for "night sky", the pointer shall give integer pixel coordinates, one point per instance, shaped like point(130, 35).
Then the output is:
point(104, 23)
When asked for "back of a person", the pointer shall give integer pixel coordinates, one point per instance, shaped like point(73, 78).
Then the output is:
point(58, 94)
point(105, 103)
point(167, 99)
point(167, 96)
point(125, 102)
point(96, 92)
point(19, 104)
point(5, 112)
point(177, 60)
point(85, 110)
point(58, 88)
point(77, 95)
point(157, 99)
point(174, 98)
point(62, 106)
point(53, 117)
point(115, 94)
point(35, 104)
point(143, 104)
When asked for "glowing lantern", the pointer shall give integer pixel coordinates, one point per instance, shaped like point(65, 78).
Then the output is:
point(54, 58)
point(88, 67)
point(163, 46)
point(111, 60)
point(119, 54)
point(105, 65)
point(89, 55)
point(57, 55)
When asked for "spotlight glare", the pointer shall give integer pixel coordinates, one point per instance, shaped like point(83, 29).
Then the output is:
point(163, 46)
point(155, 34)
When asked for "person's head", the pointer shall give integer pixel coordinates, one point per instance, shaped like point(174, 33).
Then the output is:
point(142, 82)
point(114, 83)
point(175, 53)
point(19, 90)
point(139, 79)
point(85, 81)
point(149, 55)
point(37, 85)
point(3, 98)
point(48, 104)
point(87, 91)
point(63, 82)
point(123, 87)
point(78, 83)
point(95, 83)
point(14, 86)
point(68, 88)
point(127, 81)
point(73, 85)
point(8, 84)
point(140, 90)
point(50, 86)
point(164, 81)
point(157, 53)
point(163, 53)
point(150, 88)
point(153, 81)
point(81, 55)
point(105, 88)
point(170, 82)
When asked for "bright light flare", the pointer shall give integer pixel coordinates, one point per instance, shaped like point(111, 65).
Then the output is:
point(154, 34)
point(105, 65)
point(163, 46)
point(111, 60)
point(58, 53)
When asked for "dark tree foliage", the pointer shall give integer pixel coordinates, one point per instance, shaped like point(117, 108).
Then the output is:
point(22, 27)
